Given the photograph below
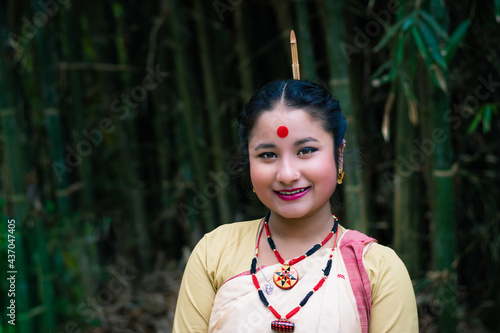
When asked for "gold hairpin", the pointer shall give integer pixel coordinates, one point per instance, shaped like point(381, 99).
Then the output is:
point(295, 56)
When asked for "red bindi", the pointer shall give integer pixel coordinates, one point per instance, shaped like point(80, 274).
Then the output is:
point(282, 131)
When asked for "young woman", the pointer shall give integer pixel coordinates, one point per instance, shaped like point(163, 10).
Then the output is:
point(296, 269)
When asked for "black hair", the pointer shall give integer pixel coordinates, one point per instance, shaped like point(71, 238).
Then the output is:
point(296, 94)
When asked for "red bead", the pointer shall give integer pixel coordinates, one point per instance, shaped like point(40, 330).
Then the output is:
point(296, 260)
point(320, 283)
point(293, 312)
point(275, 313)
point(255, 281)
point(283, 326)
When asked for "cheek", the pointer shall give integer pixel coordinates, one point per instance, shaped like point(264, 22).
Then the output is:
point(259, 174)
point(326, 170)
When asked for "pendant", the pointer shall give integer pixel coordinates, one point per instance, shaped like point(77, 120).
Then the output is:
point(285, 277)
point(282, 326)
point(268, 288)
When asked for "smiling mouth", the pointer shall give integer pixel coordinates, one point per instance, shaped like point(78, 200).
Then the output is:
point(292, 192)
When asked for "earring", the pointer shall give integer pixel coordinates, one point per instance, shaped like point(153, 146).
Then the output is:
point(253, 190)
point(340, 177)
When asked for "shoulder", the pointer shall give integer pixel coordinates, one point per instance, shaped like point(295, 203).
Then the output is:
point(386, 271)
point(394, 307)
point(233, 232)
point(227, 250)
point(380, 258)
point(227, 237)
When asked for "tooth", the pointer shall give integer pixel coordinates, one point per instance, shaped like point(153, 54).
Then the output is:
point(293, 192)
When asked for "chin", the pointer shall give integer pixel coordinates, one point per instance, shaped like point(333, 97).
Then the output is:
point(291, 213)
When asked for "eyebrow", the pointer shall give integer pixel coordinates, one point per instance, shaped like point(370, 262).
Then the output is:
point(297, 143)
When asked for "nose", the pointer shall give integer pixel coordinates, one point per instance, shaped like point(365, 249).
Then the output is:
point(288, 171)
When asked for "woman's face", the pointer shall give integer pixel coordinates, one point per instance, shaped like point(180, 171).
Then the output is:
point(293, 175)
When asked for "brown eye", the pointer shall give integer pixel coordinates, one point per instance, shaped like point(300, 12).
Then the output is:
point(267, 155)
point(306, 151)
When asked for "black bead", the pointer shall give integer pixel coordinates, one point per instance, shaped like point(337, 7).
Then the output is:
point(253, 269)
point(313, 249)
point(304, 301)
point(263, 298)
point(328, 267)
point(271, 243)
point(335, 226)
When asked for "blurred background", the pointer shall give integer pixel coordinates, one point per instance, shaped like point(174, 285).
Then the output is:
point(118, 146)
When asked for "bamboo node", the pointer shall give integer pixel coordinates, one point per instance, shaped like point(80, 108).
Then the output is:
point(51, 112)
point(7, 112)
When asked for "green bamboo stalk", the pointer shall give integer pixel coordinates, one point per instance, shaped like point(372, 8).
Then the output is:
point(47, 56)
point(187, 114)
point(244, 70)
point(47, 49)
point(16, 174)
point(127, 140)
point(407, 180)
point(124, 128)
point(305, 44)
point(19, 201)
point(407, 191)
point(356, 201)
point(160, 99)
point(73, 34)
point(210, 83)
point(44, 275)
point(88, 272)
point(443, 201)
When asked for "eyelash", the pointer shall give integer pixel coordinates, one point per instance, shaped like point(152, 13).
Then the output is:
point(303, 151)
point(309, 150)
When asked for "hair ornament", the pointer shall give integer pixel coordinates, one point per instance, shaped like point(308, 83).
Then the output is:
point(295, 56)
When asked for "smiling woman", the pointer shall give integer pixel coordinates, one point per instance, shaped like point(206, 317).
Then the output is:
point(292, 139)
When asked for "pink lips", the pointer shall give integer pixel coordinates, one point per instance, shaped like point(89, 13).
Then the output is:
point(294, 196)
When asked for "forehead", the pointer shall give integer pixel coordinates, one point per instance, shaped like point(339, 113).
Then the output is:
point(298, 122)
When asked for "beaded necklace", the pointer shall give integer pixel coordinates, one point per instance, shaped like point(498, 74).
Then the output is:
point(286, 276)
point(283, 324)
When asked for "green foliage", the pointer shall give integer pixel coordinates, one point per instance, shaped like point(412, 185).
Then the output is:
point(433, 43)
point(483, 115)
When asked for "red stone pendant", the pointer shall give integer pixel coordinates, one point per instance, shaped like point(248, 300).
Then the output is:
point(286, 277)
point(282, 326)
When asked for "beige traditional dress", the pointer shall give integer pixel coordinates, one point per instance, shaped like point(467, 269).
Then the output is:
point(368, 287)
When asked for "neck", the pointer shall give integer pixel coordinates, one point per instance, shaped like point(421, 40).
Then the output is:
point(310, 227)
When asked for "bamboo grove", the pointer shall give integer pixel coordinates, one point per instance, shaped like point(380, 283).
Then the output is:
point(119, 145)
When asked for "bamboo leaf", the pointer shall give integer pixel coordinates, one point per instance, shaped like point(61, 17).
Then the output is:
point(475, 122)
point(433, 45)
point(390, 33)
point(484, 115)
point(433, 69)
point(411, 100)
point(455, 39)
point(387, 111)
point(421, 46)
point(433, 24)
point(487, 118)
point(413, 111)
point(438, 76)
point(408, 23)
point(384, 78)
point(386, 65)
point(401, 49)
